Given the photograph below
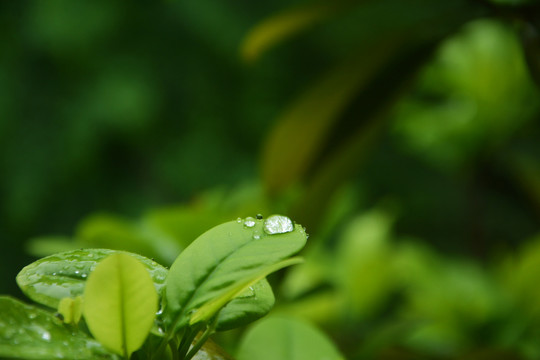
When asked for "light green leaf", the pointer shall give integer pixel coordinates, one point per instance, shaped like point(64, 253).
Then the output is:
point(27, 332)
point(286, 339)
point(47, 245)
point(71, 309)
point(114, 232)
point(282, 26)
point(48, 280)
point(252, 304)
point(221, 257)
point(208, 310)
point(120, 303)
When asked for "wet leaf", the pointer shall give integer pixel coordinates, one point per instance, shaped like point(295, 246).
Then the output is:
point(286, 339)
point(27, 332)
point(218, 259)
point(120, 303)
point(48, 280)
point(208, 310)
point(252, 304)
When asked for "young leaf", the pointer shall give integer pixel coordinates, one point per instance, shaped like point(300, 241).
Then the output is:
point(208, 310)
point(286, 339)
point(48, 280)
point(27, 332)
point(120, 303)
point(221, 257)
point(71, 309)
point(250, 305)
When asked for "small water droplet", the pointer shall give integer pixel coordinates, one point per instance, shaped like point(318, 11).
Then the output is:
point(239, 220)
point(256, 235)
point(90, 255)
point(259, 216)
point(84, 276)
point(77, 272)
point(249, 222)
point(32, 316)
point(46, 336)
point(54, 274)
point(160, 311)
point(278, 224)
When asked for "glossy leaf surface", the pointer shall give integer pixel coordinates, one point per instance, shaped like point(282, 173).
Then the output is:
point(255, 302)
point(208, 310)
point(286, 339)
point(48, 280)
point(219, 258)
point(120, 303)
point(27, 332)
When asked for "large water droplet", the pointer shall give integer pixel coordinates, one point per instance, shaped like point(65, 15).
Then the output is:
point(278, 224)
point(249, 222)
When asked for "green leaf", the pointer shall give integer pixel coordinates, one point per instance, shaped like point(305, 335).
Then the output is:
point(221, 257)
point(120, 303)
point(114, 232)
point(279, 27)
point(250, 305)
point(27, 332)
point(71, 309)
point(286, 339)
point(208, 310)
point(47, 245)
point(49, 280)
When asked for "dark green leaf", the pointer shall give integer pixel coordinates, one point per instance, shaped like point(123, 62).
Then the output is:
point(206, 312)
point(252, 304)
point(27, 332)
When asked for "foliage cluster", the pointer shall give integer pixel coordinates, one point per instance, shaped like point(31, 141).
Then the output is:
point(393, 130)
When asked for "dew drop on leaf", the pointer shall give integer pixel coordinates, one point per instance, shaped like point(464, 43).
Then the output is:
point(249, 222)
point(278, 224)
point(46, 336)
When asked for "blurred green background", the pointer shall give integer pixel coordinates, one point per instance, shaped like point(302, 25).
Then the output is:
point(404, 134)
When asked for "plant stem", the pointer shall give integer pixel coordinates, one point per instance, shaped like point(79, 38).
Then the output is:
point(201, 340)
point(187, 339)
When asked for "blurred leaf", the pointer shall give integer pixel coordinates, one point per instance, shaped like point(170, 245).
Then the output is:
point(302, 132)
point(472, 98)
point(120, 303)
point(364, 270)
point(112, 232)
point(49, 280)
point(47, 245)
point(530, 39)
point(280, 27)
point(27, 332)
point(286, 339)
point(218, 259)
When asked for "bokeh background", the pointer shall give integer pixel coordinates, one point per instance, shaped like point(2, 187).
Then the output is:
point(404, 134)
